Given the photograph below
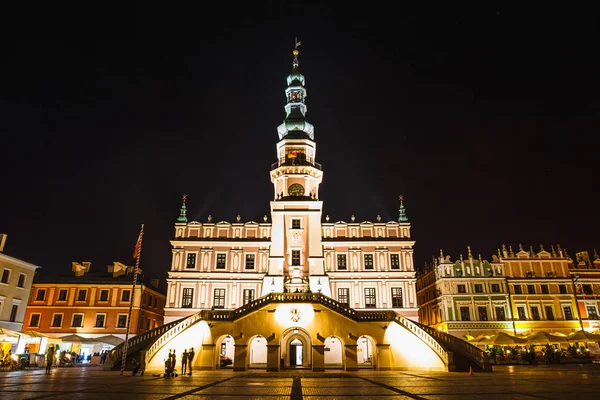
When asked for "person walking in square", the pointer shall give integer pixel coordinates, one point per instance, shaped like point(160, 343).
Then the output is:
point(174, 362)
point(190, 359)
point(184, 361)
point(49, 359)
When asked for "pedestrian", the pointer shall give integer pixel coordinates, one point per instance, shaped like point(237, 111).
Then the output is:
point(190, 359)
point(184, 361)
point(49, 359)
point(174, 361)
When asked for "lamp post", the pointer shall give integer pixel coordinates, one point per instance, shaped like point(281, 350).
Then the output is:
point(574, 279)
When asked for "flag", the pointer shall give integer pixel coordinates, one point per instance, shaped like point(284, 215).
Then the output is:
point(138, 244)
point(292, 154)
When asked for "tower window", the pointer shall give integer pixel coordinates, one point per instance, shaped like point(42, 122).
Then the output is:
point(295, 257)
point(341, 261)
point(191, 260)
point(187, 297)
point(221, 257)
point(394, 261)
point(250, 261)
point(368, 261)
point(295, 223)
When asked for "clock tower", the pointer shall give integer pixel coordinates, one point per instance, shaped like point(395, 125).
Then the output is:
point(296, 260)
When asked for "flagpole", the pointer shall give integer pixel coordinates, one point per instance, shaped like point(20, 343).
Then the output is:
point(138, 250)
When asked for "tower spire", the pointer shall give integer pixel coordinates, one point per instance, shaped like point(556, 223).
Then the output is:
point(402, 217)
point(183, 211)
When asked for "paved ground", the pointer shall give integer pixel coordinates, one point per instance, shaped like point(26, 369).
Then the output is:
point(517, 382)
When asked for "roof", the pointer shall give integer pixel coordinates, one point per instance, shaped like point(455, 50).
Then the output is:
point(17, 262)
point(100, 278)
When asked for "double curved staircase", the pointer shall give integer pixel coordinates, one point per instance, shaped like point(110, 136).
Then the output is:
point(456, 354)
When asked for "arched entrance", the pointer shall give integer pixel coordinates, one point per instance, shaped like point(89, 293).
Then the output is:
point(333, 353)
point(226, 352)
point(296, 349)
point(364, 352)
point(258, 352)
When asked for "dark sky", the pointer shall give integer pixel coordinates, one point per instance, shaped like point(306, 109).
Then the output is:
point(485, 119)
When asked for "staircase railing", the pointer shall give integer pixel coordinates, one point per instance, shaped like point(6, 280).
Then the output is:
point(134, 343)
point(451, 343)
point(424, 335)
point(174, 330)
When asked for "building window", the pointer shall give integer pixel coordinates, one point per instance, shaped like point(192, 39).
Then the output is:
point(591, 310)
point(370, 301)
point(341, 262)
point(395, 261)
point(295, 223)
point(104, 295)
point(549, 313)
point(62, 295)
point(125, 295)
point(482, 311)
point(500, 314)
point(587, 289)
point(562, 289)
point(568, 313)
point(221, 257)
point(248, 295)
point(344, 296)
point(250, 261)
point(5, 276)
point(368, 261)
point(77, 321)
point(495, 288)
point(57, 320)
point(191, 260)
point(397, 297)
point(122, 321)
point(81, 295)
point(295, 257)
point(464, 314)
point(518, 289)
point(458, 273)
point(21, 282)
point(41, 293)
point(535, 313)
point(100, 320)
point(35, 320)
point(13, 313)
point(530, 289)
point(521, 313)
point(462, 289)
point(187, 298)
point(219, 301)
point(478, 288)
point(545, 289)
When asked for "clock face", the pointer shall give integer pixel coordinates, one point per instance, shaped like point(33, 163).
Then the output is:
point(296, 189)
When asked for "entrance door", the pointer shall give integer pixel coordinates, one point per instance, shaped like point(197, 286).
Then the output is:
point(296, 353)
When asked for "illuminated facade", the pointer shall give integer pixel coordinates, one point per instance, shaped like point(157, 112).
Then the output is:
point(225, 265)
point(92, 305)
point(16, 277)
point(517, 293)
point(296, 289)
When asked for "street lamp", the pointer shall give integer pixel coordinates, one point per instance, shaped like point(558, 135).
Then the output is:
point(574, 279)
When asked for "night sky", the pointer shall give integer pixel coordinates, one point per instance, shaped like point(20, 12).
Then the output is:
point(485, 119)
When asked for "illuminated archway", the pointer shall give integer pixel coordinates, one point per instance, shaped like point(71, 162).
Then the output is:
point(258, 352)
point(294, 340)
point(333, 353)
point(226, 352)
point(365, 352)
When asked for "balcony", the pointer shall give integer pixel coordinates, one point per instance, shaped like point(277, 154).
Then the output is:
point(295, 162)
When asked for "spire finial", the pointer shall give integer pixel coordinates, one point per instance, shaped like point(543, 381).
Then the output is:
point(402, 217)
point(441, 254)
point(542, 247)
point(469, 252)
point(209, 218)
point(238, 218)
point(553, 251)
point(265, 218)
point(378, 218)
point(352, 218)
point(183, 210)
point(511, 252)
point(296, 52)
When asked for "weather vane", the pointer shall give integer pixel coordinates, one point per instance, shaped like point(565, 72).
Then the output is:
point(401, 197)
point(184, 197)
point(297, 43)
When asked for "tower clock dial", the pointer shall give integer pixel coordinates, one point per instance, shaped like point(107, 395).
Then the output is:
point(296, 189)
